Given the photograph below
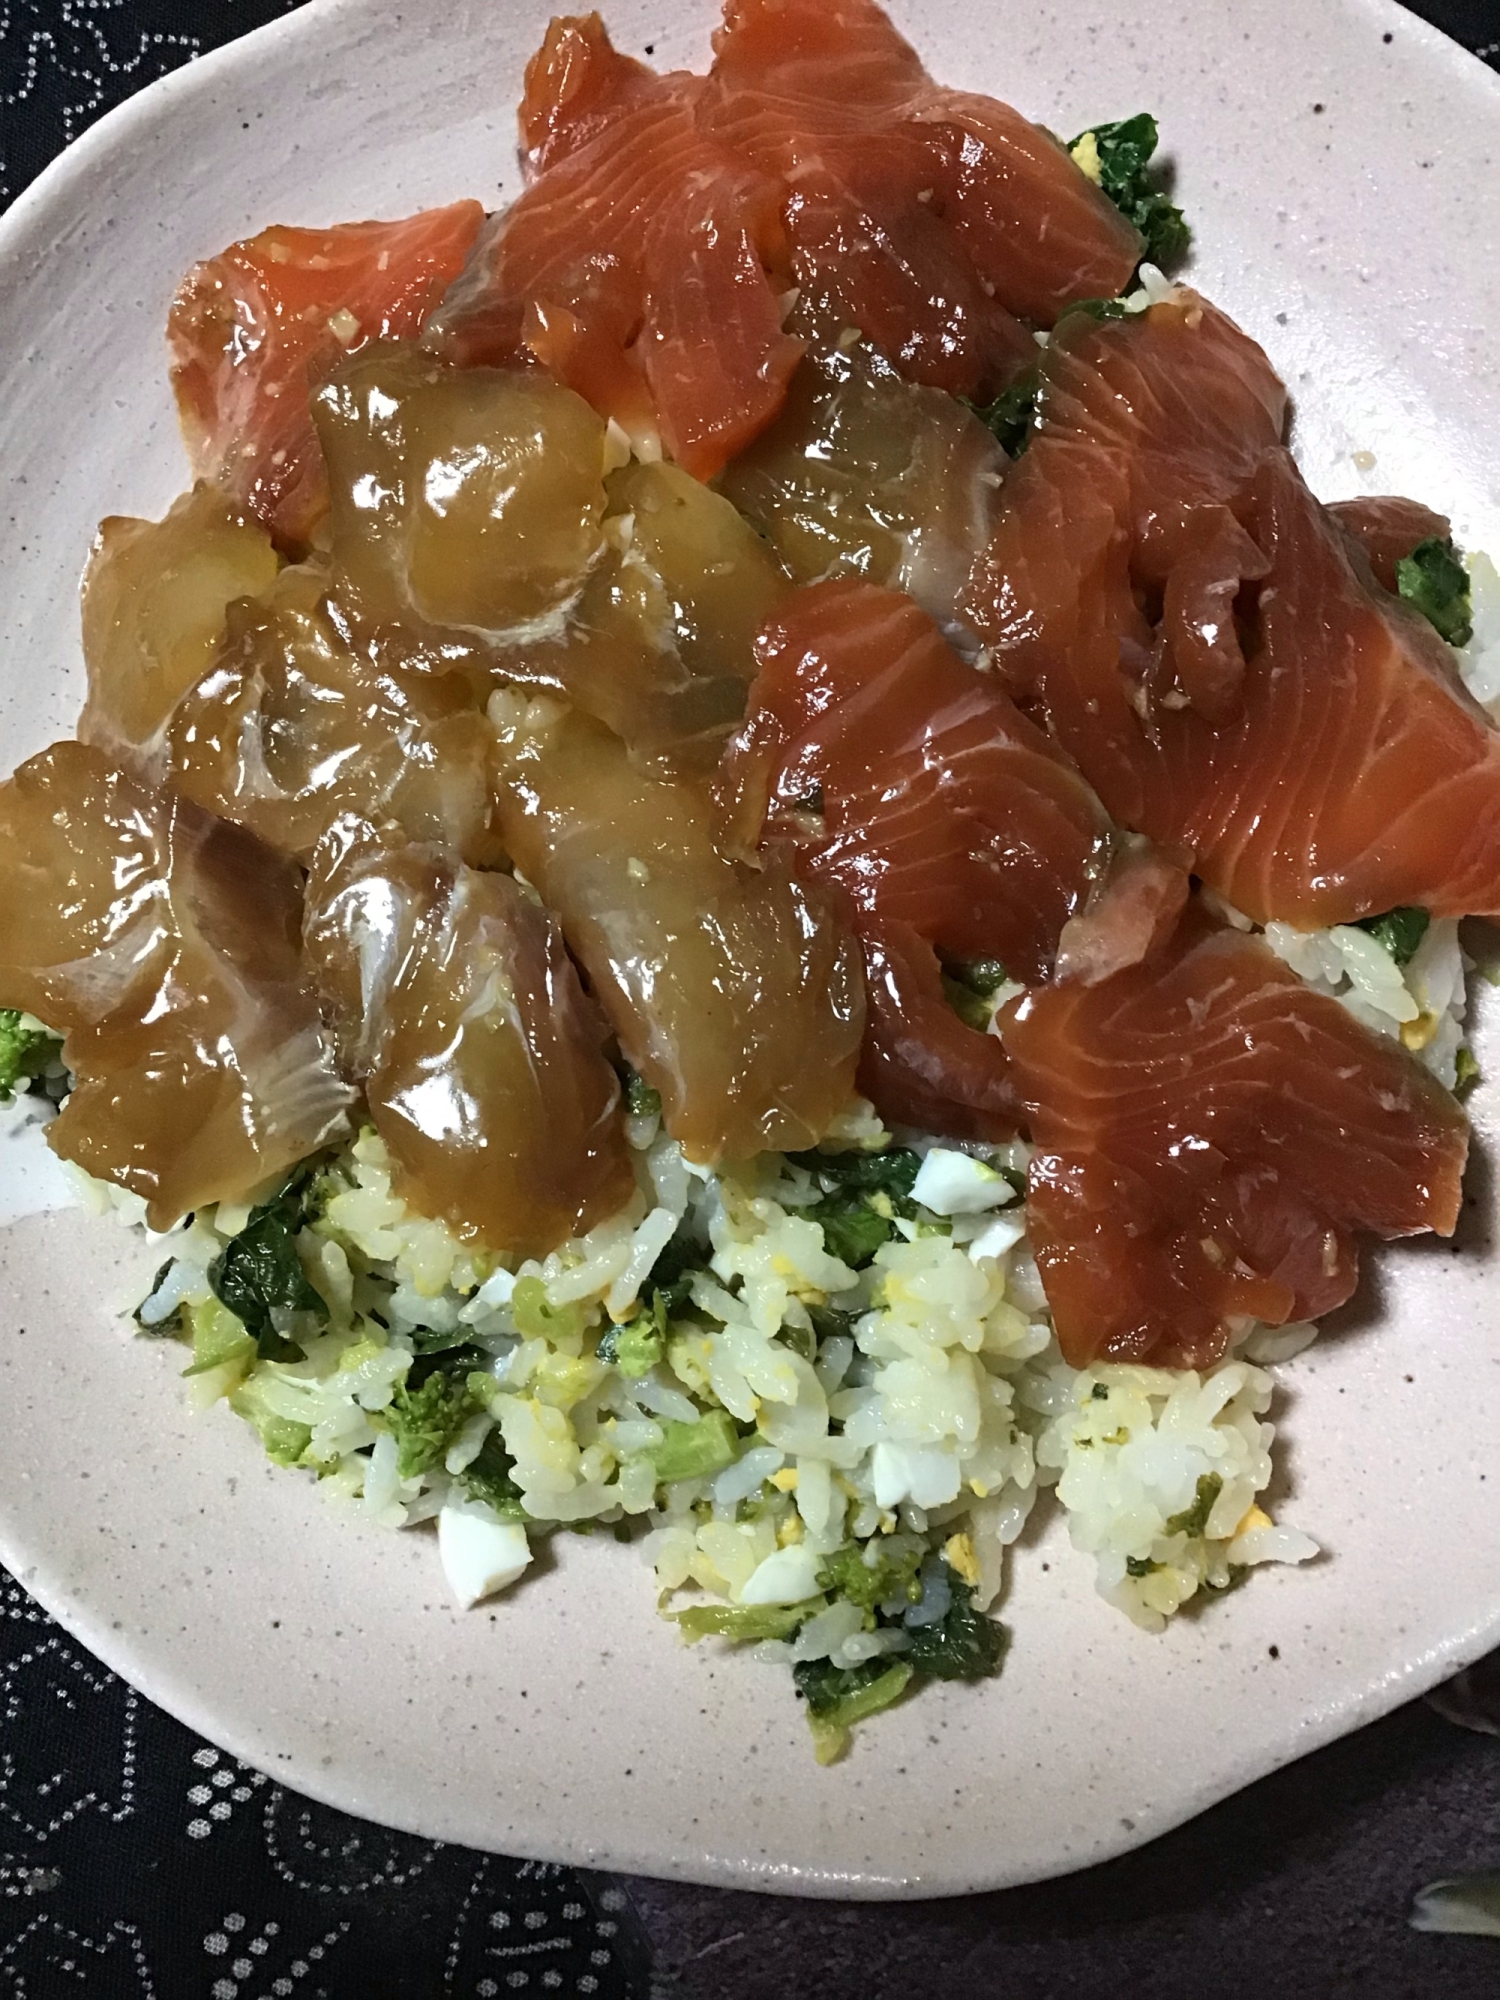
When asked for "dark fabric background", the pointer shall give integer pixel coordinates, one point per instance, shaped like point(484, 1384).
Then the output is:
point(137, 1863)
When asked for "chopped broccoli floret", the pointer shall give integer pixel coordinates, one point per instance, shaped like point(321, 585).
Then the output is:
point(284, 1439)
point(1435, 582)
point(744, 1621)
point(1192, 1521)
point(962, 1645)
point(838, 1697)
point(1467, 1069)
point(1399, 931)
point(536, 1316)
point(636, 1349)
point(491, 1478)
point(1012, 413)
point(218, 1336)
point(258, 1273)
point(892, 1574)
point(425, 1420)
point(692, 1451)
point(1118, 157)
point(26, 1050)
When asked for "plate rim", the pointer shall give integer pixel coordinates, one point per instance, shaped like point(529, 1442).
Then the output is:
point(160, 1683)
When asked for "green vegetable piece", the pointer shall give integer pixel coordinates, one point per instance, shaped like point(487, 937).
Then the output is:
point(1125, 150)
point(671, 1277)
point(971, 1008)
point(26, 1050)
point(259, 1273)
point(1468, 1071)
point(838, 1697)
point(641, 1101)
point(852, 1230)
point(862, 1192)
point(981, 975)
point(692, 1451)
point(218, 1336)
point(1012, 414)
point(491, 1478)
point(1193, 1520)
point(1140, 1566)
point(963, 1645)
point(893, 1574)
point(1100, 309)
point(742, 1622)
point(636, 1349)
point(1435, 582)
point(970, 989)
point(425, 1420)
point(285, 1441)
point(536, 1316)
point(1399, 931)
point(892, 1172)
point(828, 1322)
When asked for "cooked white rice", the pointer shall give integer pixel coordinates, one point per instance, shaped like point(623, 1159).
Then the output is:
point(939, 1414)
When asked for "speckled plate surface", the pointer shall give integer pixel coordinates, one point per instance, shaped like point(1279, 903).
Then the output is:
point(1338, 162)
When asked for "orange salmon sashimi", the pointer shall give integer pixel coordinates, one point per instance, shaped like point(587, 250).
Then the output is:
point(950, 826)
point(933, 220)
point(166, 946)
point(1384, 527)
point(253, 331)
point(1166, 596)
point(1210, 1135)
point(459, 1011)
point(645, 265)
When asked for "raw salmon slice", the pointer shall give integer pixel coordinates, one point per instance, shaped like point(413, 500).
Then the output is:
point(166, 945)
point(950, 826)
point(1164, 593)
point(932, 219)
point(254, 329)
point(1385, 527)
point(1210, 1136)
point(645, 265)
point(482, 1062)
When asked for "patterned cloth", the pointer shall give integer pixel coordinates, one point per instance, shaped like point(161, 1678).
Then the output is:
point(136, 1862)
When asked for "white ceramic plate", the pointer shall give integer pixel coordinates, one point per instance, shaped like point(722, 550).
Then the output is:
point(1337, 162)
